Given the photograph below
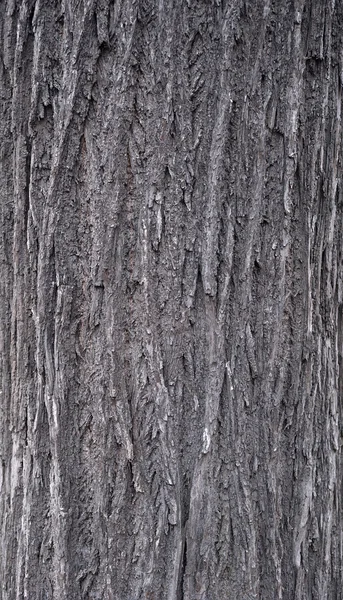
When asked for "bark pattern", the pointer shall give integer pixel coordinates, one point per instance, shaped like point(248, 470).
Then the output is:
point(171, 299)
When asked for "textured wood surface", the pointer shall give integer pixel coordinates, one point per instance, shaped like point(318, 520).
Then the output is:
point(171, 299)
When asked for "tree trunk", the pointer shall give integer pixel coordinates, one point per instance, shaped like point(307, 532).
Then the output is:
point(171, 299)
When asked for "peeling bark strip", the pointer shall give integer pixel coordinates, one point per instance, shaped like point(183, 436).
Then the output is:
point(171, 300)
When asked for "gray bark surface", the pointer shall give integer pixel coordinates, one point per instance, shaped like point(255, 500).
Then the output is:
point(171, 299)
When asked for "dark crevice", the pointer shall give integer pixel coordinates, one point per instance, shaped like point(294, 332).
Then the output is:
point(182, 570)
point(27, 183)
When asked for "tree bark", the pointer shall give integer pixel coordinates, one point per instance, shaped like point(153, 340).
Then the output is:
point(171, 299)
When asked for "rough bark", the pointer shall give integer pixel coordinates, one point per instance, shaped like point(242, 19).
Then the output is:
point(171, 299)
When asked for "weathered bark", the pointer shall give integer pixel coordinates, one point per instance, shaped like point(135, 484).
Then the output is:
point(171, 299)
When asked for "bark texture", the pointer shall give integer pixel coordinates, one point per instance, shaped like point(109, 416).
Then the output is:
point(171, 299)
